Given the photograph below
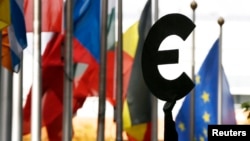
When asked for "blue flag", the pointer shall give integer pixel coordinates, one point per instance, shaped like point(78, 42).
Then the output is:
point(206, 104)
point(86, 17)
point(17, 33)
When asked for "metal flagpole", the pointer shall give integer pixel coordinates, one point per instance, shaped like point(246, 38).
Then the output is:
point(119, 80)
point(0, 60)
point(154, 113)
point(1, 83)
point(68, 75)
point(36, 88)
point(219, 112)
point(102, 85)
point(5, 101)
point(6, 105)
point(192, 100)
point(17, 104)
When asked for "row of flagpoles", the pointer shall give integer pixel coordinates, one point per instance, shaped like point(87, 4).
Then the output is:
point(13, 21)
point(6, 79)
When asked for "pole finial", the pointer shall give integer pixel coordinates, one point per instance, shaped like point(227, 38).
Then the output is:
point(221, 21)
point(193, 5)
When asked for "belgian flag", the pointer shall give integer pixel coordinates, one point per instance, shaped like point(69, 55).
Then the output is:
point(137, 103)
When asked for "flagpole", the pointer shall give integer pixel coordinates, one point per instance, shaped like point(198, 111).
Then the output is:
point(154, 101)
point(68, 75)
point(192, 100)
point(5, 101)
point(102, 85)
point(36, 88)
point(220, 22)
point(0, 60)
point(18, 104)
point(6, 105)
point(119, 80)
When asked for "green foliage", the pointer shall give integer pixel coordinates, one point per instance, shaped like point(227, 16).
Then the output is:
point(246, 107)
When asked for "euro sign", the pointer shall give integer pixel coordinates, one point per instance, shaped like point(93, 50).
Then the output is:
point(167, 90)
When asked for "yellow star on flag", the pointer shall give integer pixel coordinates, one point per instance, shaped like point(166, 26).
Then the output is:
point(205, 132)
point(205, 97)
point(182, 126)
point(206, 117)
point(197, 79)
point(202, 138)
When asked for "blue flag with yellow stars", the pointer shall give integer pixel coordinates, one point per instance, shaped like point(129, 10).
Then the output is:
point(206, 96)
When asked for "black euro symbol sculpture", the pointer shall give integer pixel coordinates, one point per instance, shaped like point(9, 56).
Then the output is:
point(167, 90)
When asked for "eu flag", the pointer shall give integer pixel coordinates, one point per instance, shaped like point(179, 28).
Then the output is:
point(206, 96)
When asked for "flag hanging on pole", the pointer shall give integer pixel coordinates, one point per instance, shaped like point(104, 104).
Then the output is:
point(17, 33)
point(87, 20)
point(86, 43)
point(4, 13)
point(52, 15)
point(137, 104)
point(14, 39)
point(87, 35)
point(6, 57)
point(111, 40)
point(52, 89)
point(206, 96)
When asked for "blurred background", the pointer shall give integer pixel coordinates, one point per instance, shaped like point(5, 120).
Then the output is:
point(235, 53)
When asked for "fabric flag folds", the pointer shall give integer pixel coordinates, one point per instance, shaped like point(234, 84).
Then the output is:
point(6, 51)
point(4, 13)
point(206, 100)
point(52, 15)
point(52, 89)
point(86, 16)
point(110, 73)
point(137, 103)
point(86, 55)
point(87, 35)
point(16, 41)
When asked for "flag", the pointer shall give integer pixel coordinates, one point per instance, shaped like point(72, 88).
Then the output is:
point(16, 41)
point(86, 34)
point(111, 40)
point(4, 13)
point(6, 57)
point(206, 96)
point(52, 89)
point(86, 56)
point(51, 12)
point(137, 104)
point(87, 19)
point(111, 24)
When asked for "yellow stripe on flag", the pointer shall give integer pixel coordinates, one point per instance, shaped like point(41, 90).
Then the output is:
point(130, 44)
point(126, 115)
point(130, 39)
point(137, 131)
point(4, 13)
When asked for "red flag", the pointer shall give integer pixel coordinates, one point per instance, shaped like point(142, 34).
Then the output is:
point(85, 52)
point(52, 89)
point(52, 85)
point(51, 15)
